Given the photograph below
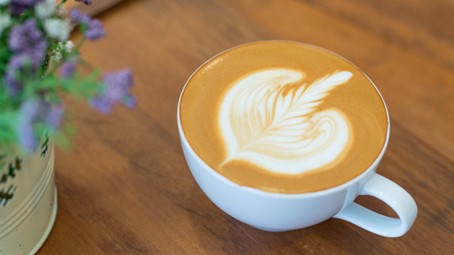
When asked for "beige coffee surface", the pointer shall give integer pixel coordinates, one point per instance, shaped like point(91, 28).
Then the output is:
point(340, 114)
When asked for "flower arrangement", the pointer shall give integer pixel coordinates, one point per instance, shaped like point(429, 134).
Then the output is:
point(38, 72)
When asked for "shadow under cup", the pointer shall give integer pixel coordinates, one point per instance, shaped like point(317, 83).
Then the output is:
point(282, 212)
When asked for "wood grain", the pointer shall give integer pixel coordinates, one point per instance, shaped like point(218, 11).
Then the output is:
point(125, 187)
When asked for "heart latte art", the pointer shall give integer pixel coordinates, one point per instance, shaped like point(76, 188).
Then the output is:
point(271, 118)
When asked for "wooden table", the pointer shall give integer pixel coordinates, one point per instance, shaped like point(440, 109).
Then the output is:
point(125, 187)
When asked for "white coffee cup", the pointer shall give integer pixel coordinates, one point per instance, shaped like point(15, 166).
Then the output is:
point(282, 212)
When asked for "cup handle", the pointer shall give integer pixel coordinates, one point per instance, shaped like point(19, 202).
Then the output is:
point(394, 196)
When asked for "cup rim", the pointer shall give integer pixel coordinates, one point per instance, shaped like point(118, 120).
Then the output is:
point(330, 190)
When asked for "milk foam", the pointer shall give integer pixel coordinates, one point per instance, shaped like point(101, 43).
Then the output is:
point(271, 119)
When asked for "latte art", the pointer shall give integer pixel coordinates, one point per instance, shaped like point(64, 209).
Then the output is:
point(283, 117)
point(271, 119)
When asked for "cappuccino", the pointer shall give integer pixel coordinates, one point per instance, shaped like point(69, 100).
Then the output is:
point(283, 117)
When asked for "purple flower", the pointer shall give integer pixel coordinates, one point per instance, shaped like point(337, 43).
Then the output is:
point(30, 48)
point(79, 17)
point(95, 30)
point(15, 66)
point(116, 89)
point(20, 67)
point(87, 2)
point(24, 36)
point(36, 110)
point(27, 39)
point(68, 68)
point(19, 6)
point(28, 113)
point(53, 114)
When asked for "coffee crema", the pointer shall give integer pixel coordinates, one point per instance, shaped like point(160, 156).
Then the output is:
point(283, 117)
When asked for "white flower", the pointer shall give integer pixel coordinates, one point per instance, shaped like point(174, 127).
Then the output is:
point(45, 8)
point(4, 2)
point(66, 46)
point(5, 21)
point(57, 28)
point(56, 56)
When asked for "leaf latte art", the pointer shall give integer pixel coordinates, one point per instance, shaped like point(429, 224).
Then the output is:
point(271, 119)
